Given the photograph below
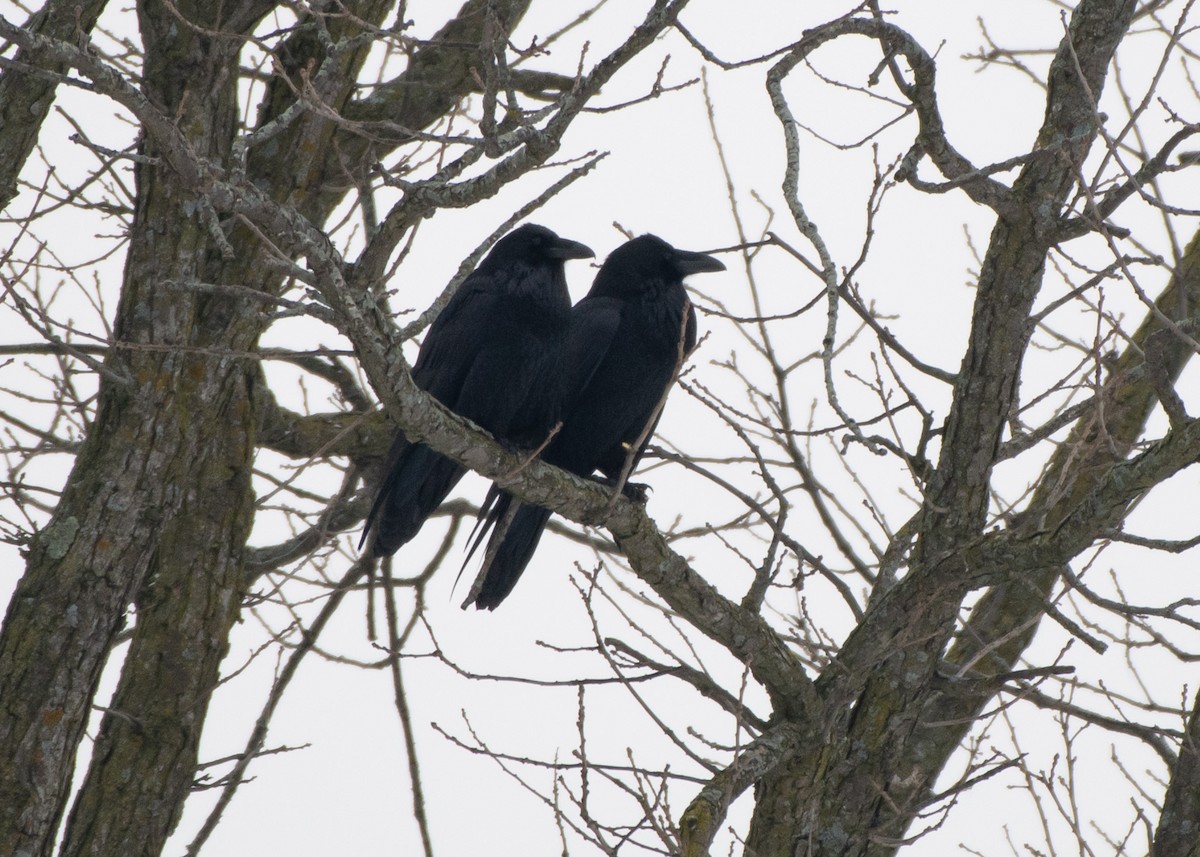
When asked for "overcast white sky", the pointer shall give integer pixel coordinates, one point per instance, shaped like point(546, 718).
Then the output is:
point(348, 791)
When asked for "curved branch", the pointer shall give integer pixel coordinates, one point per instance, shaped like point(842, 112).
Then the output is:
point(931, 139)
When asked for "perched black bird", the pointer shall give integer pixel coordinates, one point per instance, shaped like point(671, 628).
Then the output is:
point(493, 355)
point(627, 339)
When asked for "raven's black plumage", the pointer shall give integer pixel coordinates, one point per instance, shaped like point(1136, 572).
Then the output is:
point(623, 348)
point(493, 355)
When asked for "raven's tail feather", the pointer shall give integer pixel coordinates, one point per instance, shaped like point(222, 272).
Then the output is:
point(518, 528)
point(494, 505)
point(492, 509)
point(416, 485)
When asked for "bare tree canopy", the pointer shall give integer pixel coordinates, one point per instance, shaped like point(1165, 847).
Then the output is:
point(915, 571)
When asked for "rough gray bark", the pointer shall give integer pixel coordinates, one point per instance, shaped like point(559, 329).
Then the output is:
point(1178, 830)
point(159, 493)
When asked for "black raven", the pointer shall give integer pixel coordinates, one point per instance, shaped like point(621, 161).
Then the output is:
point(627, 339)
point(493, 355)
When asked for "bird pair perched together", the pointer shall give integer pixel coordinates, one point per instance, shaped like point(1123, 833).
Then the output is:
point(511, 354)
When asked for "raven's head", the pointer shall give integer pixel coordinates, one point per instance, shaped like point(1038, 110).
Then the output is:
point(536, 244)
point(648, 262)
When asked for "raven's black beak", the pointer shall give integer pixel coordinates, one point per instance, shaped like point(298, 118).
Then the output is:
point(564, 248)
point(696, 263)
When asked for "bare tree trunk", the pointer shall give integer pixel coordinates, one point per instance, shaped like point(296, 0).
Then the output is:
point(1178, 831)
point(1002, 624)
point(160, 491)
point(174, 440)
point(857, 791)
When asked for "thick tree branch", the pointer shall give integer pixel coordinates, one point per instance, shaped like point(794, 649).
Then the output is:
point(25, 99)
